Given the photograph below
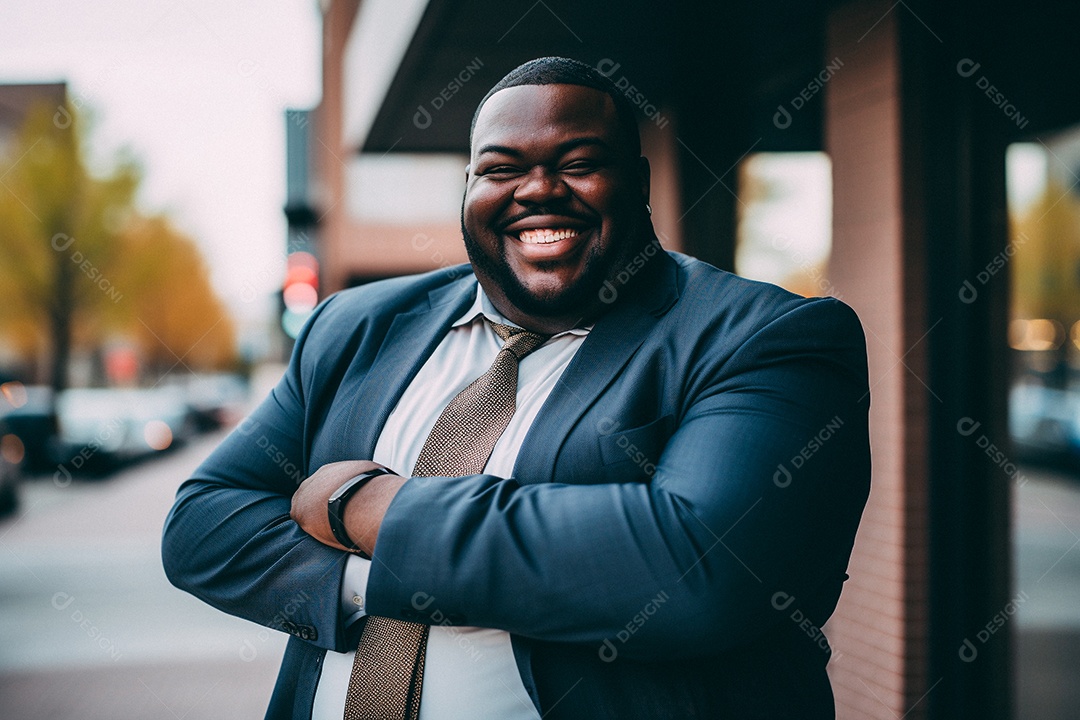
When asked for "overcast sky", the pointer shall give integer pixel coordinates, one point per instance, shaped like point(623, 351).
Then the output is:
point(197, 90)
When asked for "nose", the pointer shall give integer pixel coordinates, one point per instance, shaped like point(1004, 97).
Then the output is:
point(540, 186)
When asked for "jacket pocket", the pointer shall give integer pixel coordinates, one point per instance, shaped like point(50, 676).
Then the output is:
point(632, 455)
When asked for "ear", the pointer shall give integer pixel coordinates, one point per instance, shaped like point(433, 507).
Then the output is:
point(468, 167)
point(644, 177)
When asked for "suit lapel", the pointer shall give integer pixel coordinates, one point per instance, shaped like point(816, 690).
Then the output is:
point(610, 345)
point(413, 336)
point(411, 339)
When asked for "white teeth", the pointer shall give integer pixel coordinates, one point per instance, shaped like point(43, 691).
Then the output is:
point(543, 236)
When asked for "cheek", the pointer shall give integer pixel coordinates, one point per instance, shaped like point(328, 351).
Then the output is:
point(601, 194)
point(483, 203)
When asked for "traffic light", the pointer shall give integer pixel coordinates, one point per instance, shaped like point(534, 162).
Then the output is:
point(300, 292)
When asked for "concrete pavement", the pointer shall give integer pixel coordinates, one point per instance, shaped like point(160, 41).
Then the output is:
point(89, 626)
point(1046, 572)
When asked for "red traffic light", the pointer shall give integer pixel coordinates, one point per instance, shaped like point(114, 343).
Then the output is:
point(300, 291)
point(301, 275)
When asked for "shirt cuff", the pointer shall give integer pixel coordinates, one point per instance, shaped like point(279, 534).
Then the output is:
point(354, 588)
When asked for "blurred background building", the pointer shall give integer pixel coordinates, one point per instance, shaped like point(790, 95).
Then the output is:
point(16, 102)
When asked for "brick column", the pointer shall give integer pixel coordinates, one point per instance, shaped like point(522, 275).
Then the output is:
point(919, 208)
point(880, 628)
point(330, 152)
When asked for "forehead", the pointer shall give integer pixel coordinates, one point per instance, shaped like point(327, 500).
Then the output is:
point(545, 113)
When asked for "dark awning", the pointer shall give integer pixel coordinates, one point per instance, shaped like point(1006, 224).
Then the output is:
point(662, 55)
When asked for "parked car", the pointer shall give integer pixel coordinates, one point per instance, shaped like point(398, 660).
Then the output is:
point(1044, 424)
point(100, 428)
point(29, 414)
point(11, 458)
point(214, 400)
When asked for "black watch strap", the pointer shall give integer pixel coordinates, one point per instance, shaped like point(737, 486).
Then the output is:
point(335, 506)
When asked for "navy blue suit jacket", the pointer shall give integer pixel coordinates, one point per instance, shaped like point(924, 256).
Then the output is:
point(675, 532)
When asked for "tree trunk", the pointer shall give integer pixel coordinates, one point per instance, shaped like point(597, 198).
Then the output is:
point(60, 321)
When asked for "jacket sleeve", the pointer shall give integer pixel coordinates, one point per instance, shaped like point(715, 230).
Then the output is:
point(755, 499)
point(229, 539)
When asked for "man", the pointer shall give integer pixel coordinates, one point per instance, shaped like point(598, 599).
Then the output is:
point(656, 527)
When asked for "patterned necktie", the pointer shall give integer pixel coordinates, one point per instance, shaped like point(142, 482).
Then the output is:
point(388, 672)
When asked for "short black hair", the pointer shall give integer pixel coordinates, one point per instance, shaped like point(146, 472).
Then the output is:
point(564, 71)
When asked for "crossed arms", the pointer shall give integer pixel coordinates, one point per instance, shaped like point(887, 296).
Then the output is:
point(719, 527)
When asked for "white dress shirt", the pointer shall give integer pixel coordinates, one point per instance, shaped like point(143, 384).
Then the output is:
point(468, 672)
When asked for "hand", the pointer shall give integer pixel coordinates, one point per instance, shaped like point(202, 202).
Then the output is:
point(364, 510)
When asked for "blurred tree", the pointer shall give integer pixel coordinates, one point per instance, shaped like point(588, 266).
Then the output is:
point(1046, 284)
point(56, 227)
point(78, 264)
point(177, 322)
point(1046, 268)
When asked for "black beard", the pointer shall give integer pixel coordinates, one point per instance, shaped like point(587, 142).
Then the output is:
point(578, 298)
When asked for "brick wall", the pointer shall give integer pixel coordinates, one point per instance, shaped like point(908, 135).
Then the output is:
point(880, 627)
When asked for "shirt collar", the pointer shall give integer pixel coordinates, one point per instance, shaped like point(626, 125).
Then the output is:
point(482, 307)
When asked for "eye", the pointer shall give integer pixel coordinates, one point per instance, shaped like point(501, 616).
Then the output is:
point(501, 171)
point(580, 167)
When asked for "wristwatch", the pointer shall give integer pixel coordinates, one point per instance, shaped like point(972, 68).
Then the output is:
point(335, 506)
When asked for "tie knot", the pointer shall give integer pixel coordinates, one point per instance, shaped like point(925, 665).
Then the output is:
point(517, 340)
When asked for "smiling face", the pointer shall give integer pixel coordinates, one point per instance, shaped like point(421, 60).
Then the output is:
point(554, 203)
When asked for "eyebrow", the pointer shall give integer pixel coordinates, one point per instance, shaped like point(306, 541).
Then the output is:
point(562, 149)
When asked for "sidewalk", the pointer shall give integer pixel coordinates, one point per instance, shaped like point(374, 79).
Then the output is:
point(91, 629)
point(1046, 582)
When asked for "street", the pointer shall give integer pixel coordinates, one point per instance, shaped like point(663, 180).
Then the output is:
point(91, 629)
point(89, 626)
point(1046, 593)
